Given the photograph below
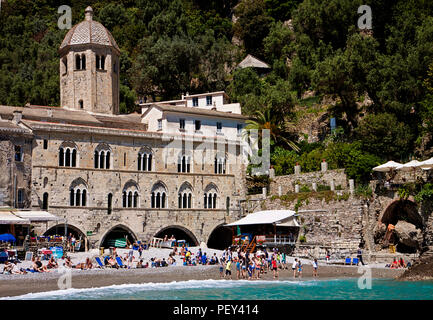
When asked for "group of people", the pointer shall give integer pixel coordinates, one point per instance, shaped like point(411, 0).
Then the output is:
point(251, 265)
point(398, 263)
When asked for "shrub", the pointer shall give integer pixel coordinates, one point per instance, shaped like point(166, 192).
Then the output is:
point(303, 238)
point(304, 188)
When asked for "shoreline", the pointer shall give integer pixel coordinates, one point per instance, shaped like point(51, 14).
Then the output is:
point(16, 285)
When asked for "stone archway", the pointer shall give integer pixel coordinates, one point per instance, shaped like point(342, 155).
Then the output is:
point(62, 230)
point(401, 225)
point(121, 233)
point(220, 238)
point(180, 233)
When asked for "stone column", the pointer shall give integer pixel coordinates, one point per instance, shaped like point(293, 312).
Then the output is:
point(297, 169)
point(264, 192)
point(324, 165)
point(297, 188)
point(352, 186)
point(314, 186)
point(280, 192)
point(272, 173)
point(332, 183)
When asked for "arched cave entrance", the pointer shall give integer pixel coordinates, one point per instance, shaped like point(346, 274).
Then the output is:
point(119, 236)
point(407, 211)
point(220, 238)
point(62, 230)
point(180, 233)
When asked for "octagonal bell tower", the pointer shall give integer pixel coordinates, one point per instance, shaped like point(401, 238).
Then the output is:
point(89, 68)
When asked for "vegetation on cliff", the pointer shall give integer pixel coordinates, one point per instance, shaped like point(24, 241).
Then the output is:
point(378, 87)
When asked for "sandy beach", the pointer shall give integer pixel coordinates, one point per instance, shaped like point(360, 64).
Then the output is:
point(14, 285)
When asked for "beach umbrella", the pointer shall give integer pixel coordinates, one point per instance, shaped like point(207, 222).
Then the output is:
point(7, 237)
point(411, 165)
point(389, 166)
point(427, 164)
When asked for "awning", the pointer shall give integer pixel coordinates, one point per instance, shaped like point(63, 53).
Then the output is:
point(37, 216)
point(278, 217)
point(7, 217)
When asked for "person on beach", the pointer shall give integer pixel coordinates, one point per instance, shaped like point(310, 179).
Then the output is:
point(89, 264)
point(52, 264)
point(295, 263)
point(401, 263)
point(204, 259)
point(222, 266)
point(275, 267)
point(300, 268)
point(130, 257)
point(7, 269)
point(250, 270)
point(394, 264)
point(359, 256)
point(328, 255)
point(73, 240)
point(229, 269)
point(16, 270)
point(315, 266)
point(238, 268)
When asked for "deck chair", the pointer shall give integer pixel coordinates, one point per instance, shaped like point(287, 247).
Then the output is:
point(348, 261)
point(355, 261)
point(99, 262)
point(120, 263)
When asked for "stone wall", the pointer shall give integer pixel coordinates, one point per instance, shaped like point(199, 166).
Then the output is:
point(288, 182)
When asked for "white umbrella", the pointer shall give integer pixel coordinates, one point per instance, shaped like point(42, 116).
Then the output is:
point(411, 165)
point(428, 164)
point(389, 166)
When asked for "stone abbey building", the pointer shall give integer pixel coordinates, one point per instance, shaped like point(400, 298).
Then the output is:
point(175, 169)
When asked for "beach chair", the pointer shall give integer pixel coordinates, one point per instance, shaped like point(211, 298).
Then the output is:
point(348, 261)
point(355, 261)
point(99, 262)
point(120, 263)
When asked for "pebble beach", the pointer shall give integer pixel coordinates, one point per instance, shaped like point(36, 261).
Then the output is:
point(15, 285)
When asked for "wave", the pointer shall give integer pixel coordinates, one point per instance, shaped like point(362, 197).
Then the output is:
point(153, 286)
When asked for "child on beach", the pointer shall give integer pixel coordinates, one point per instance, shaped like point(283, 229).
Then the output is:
point(300, 268)
point(222, 269)
point(229, 269)
point(275, 268)
point(250, 270)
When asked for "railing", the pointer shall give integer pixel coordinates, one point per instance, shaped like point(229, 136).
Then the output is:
point(284, 240)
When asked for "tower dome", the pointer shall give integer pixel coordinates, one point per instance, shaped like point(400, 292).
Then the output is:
point(89, 32)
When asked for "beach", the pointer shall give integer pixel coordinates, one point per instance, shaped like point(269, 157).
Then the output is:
point(14, 285)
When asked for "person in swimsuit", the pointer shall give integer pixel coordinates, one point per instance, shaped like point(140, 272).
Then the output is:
point(275, 268)
point(295, 263)
point(238, 269)
point(315, 266)
point(229, 269)
point(300, 268)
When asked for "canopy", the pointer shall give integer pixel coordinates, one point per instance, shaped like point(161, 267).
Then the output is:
point(278, 217)
point(428, 164)
point(7, 217)
point(412, 165)
point(37, 216)
point(7, 237)
point(390, 165)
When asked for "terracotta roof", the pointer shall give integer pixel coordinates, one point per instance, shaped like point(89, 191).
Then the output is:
point(197, 111)
point(89, 32)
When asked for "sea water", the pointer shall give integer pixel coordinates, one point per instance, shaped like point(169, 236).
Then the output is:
point(338, 289)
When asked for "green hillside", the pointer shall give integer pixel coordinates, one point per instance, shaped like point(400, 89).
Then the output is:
point(378, 86)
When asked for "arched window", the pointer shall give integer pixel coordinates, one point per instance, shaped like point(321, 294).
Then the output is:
point(159, 196)
point(45, 201)
point(210, 197)
point(61, 157)
point(220, 165)
point(184, 163)
point(77, 62)
point(144, 159)
point(78, 193)
point(83, 62)
point(102, 156)
point(109, 203)
point(131, 195)
point(185, 196)
point(68, 155)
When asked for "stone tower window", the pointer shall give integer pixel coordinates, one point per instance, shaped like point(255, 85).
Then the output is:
point(100, 62)
point(83, 62)
point(65, 65)
point(81, 104)
point(77, 62)
point(110, 203)
point(45, 201)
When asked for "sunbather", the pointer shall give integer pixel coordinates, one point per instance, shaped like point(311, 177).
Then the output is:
point(7, 269)
point(52, 264)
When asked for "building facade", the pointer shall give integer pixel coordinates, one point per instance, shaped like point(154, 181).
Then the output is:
point(138, 175)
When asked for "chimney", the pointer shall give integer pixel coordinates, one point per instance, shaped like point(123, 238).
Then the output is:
point(18, 115)
point(89, 14)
